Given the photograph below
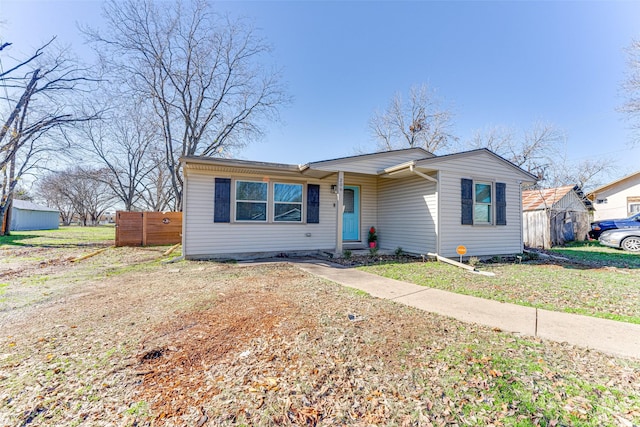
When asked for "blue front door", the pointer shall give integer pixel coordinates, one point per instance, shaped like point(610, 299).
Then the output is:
point(351, 214)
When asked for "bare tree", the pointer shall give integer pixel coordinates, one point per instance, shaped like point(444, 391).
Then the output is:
point(84, 189)
point(52, 189)
point(419, 122)
point(157, 194)
point(586, 173)
point(631, 89)
point(200, 72)
point(534, 149)
point(38, 91)
point(122, 143)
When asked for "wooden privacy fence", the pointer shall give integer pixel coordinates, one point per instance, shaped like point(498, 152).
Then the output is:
point(148, 228)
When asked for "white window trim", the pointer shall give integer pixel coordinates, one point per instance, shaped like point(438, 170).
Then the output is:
point(492, 205)
point(301, 203)
point(236, 201)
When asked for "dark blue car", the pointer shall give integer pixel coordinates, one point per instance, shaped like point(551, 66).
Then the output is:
point(611, 224)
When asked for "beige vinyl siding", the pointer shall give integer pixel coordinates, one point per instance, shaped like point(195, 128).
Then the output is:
point(207, 238)
point(371, 164)
point(407, 214)
point(617, 205)
point(479, 239)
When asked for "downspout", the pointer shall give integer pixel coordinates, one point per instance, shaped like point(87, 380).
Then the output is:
point(412, 168)
point(185, 187)
point(521, 217)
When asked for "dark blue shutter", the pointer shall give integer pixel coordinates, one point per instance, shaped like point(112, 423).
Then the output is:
point(467, 201)
point(222, 200)
point(501, 203)
point(313, 204)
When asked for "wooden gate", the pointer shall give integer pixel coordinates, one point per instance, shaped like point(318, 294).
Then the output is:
point(148, 228)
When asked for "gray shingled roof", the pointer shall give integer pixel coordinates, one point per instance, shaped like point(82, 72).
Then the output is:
point(28, 206)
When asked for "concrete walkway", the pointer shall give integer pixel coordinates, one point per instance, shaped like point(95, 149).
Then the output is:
point(608, 336)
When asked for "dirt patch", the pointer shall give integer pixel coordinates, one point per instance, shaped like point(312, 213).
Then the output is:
point(173, 375)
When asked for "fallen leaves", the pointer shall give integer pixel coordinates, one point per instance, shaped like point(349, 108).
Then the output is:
point(269, 345)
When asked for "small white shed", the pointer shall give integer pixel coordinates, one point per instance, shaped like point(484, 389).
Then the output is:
point(30, 216)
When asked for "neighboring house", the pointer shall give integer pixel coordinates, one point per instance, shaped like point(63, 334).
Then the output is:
point(554, 216)
point(417, 201)
point(29, 216)
point(618, 199)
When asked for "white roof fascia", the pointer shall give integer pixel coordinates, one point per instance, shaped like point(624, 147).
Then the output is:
point(251, 167)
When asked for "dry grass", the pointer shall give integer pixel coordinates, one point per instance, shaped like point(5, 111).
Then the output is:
point(144, 343)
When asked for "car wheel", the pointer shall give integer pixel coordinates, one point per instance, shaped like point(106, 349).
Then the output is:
point(631, 244)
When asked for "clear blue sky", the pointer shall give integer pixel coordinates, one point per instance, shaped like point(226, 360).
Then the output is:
point(495, 63)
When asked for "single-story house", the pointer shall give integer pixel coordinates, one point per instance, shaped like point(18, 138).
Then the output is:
point(30, 216)
point(416, 200)
point(554, 216)
point(617, 199)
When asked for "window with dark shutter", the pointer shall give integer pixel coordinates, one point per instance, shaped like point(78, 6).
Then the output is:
point(467, 201)
point(222, 200)
point(313, 204)
point(501, 203)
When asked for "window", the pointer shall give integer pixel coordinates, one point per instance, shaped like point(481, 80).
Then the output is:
point(633, 205)
point(349, 200)
point(257, 201)
point(287, 202)
point(482, 204)
point(251, 201)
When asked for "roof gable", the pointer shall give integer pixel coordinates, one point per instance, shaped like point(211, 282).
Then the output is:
point(432, 162)
point(613, 184)
point(543, 198)
point(373, 162)
point(567, 196)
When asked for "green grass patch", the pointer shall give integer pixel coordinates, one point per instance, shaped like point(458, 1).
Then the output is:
point(596, 254)
point(62, 237)
point(357, 292)
point(611, 294)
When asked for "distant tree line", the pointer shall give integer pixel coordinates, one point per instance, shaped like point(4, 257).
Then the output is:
point(171, 80)
point(177, 79)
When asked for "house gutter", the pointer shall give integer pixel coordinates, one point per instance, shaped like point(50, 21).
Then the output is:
point(412, 168)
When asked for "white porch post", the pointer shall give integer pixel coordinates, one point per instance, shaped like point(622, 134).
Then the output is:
point(339, 212)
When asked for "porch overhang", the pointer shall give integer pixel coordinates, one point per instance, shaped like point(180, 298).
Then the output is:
point(406, 169)
point(251, 167)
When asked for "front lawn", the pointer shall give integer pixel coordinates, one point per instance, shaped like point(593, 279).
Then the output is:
point(607, 292)
point(594, 253)
point(210, 344)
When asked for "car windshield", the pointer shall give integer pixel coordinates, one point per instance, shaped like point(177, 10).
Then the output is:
point(634, 217)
